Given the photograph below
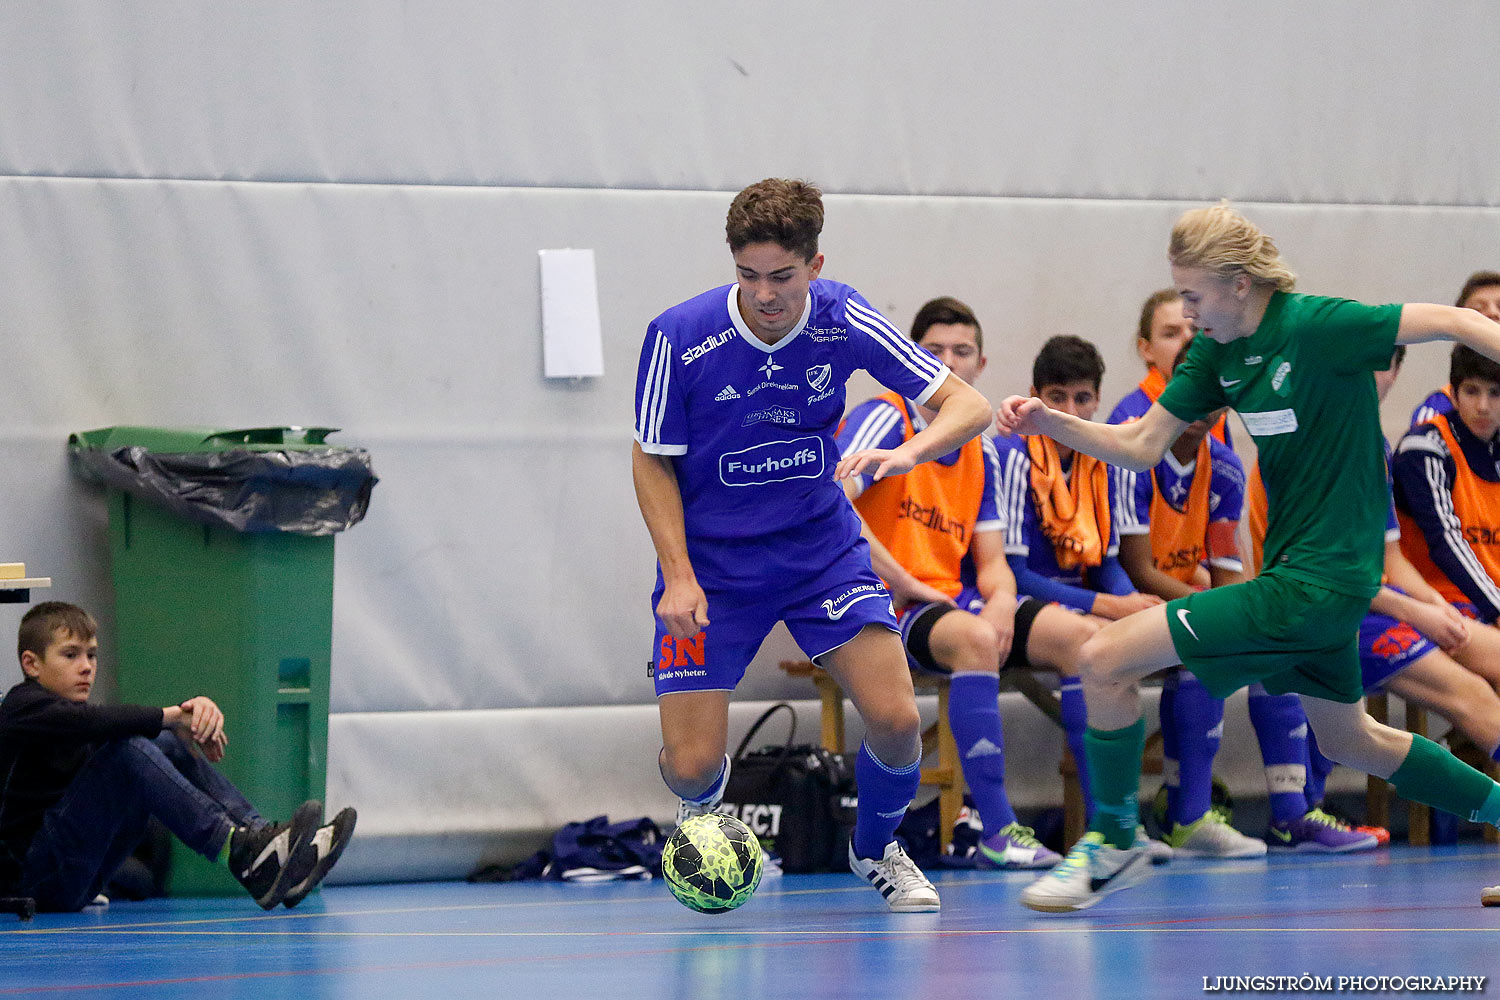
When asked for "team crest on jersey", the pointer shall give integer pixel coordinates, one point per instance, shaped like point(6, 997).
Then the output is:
point(1281, 376)
point(726, 393)
point(818, 376)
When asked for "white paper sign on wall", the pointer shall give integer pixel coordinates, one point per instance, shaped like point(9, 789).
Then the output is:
point(572, 342)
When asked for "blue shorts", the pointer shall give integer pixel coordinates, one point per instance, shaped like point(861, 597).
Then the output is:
point(823, 610)
point(1387, 647)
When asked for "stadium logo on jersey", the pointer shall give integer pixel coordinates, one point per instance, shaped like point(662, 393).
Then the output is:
point(773, 414)
point(932, 518)
point(837, 606)
point(773, 462)
point(825, 334)
point(726, 393)
point(817, 377)
point(697, 351)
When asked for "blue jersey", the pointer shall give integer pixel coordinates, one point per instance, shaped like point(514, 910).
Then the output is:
point(1226, 496)
point(1022, 529)
point(1439, 402)
point(1132, 407)
point(750, 426)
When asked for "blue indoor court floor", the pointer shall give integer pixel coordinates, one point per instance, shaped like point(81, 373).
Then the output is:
point(1402, 912)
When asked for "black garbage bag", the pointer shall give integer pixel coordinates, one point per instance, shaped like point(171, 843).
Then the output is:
point(317, 490)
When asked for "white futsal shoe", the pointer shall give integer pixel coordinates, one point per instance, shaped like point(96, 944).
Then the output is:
point(901, 883)
point(1210, 837)
point(1160, 852)
point(1091, 871)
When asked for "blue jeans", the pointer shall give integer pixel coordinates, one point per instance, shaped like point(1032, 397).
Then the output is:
point(102, 816)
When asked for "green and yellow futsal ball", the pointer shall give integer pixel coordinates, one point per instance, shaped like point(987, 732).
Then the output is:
point(712, 863)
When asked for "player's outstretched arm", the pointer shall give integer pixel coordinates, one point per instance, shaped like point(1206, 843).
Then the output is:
point(962, 412)
point(683, 607)
point(1137, 445)
point(1423, 321)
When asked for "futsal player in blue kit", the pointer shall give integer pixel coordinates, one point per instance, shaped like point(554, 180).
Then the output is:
point(739, 393)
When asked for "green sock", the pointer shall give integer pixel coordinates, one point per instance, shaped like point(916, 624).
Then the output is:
point(1434, 777)
point(1115, 776)
point(223, 858)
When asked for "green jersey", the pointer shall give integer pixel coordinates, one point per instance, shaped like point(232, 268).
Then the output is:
point(1302, 384)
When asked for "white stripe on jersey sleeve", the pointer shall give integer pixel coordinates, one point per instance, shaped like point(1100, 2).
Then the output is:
point(876, 425)
point(1127, 521)
point(1017, 481)
point(1453, 532)
point(1424, 414)
point(654, 401)
point(1225, 562)
point(992, 475)
point(916, 360)
point(1432, 442)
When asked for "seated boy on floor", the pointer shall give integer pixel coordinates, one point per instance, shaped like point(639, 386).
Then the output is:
point(81, 780)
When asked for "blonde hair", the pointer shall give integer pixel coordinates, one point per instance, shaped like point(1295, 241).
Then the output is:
point(1221, 240)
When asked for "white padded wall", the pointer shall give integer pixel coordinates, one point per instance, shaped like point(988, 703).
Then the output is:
point(1333, 102)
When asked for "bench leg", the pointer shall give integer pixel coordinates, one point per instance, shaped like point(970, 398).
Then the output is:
point(1419, 817)
point(1377, 791)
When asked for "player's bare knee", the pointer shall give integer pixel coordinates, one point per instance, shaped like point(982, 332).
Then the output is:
point(978, 649)
point(1097, 662)
point(693, 765)
point(894, 724)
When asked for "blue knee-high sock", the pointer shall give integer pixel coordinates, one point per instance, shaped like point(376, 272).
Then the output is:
point(1281, 729)
point(1199, 718)
point(1075, 720)
point(1318, 769)
point(1171, 767)
point(884, 794)
point(974, 717)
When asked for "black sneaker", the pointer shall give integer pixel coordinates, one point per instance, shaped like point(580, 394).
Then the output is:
point(259, 858)
point(309, 865)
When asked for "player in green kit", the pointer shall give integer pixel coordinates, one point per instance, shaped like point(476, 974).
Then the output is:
point(1297, 368)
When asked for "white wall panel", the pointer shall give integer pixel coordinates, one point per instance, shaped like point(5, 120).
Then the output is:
point(504, 563)
point(1333, 102)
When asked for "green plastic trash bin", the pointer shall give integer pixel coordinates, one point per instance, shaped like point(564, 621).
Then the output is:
point(223, 585)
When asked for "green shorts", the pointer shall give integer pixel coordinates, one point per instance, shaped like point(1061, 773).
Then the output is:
point(1289, 635)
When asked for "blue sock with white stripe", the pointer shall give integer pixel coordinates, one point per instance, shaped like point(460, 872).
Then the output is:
point(974, 717)
point(884, 794)
point(1281, 730)
point(1075, 720)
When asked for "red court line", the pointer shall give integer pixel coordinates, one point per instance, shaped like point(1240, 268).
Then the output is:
point(417, 966)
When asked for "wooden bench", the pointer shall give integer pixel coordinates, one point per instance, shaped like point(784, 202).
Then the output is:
point(946, 775)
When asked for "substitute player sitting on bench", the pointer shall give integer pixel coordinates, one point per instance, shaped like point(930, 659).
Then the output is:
point(935, 539)
point(81, 780)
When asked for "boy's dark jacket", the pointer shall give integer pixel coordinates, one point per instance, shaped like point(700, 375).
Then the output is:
point(44, 740)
